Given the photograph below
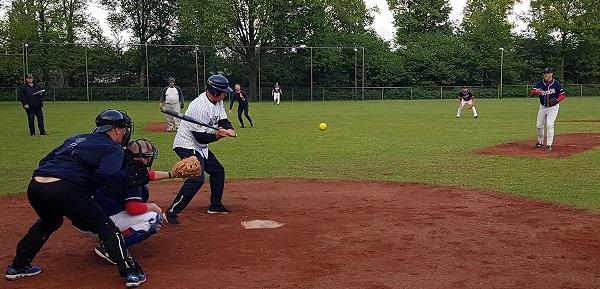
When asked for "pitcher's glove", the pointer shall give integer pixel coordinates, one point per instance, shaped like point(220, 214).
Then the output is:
point(186, 168)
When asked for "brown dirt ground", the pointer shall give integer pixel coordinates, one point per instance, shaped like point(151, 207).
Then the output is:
point(156, 127)
point(565, 145)
point(338, 234)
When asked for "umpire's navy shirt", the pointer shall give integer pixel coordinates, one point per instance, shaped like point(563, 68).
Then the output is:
point(549, 91)
point(86, 160)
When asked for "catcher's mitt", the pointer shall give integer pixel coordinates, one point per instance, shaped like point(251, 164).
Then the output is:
point(469, 106)
point(186, 168)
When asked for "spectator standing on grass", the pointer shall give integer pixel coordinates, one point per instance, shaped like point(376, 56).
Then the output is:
point(31, 97)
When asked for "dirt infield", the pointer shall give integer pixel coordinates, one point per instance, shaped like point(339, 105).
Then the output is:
point(156, 127)
point(337, 234)
point(565, 145)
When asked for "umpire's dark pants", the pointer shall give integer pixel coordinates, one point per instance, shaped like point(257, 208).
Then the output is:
point(35, 113)
point(243, 108)
point(192, 185)
point(55, 200)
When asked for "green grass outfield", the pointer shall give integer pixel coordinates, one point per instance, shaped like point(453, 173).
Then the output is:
point(408, 141)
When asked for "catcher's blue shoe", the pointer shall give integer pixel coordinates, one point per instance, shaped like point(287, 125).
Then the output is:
point(14, 273)
point(135, 279)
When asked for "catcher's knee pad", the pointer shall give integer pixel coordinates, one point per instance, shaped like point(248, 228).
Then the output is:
point(143, 231)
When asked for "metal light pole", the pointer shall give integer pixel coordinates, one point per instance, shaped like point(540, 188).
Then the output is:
point(24, 70)
point(363, 74)
point(26, 59)
point(147, 76)
point(197, 77)
point(501, 60)
point(87, 73)
point(355, 74)
point(311, 74)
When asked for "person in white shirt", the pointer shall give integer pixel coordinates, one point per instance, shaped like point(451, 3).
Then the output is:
point(276, 92)
point(171, 98)
point(193, 139)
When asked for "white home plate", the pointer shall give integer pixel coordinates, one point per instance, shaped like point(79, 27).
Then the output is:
point(261, 224)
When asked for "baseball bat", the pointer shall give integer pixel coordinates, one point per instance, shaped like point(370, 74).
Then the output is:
point(188, 118)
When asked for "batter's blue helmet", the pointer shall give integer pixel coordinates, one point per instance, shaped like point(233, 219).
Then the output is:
point(217, 84)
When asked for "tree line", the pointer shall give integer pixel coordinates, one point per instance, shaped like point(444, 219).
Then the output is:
point(235, 37)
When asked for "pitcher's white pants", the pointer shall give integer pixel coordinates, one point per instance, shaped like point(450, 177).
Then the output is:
point(172, 122)
point(462, 103)
point(276, 97)
point(546, 115)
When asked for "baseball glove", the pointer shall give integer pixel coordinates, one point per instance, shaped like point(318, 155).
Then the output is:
point(186, 168)
point(469, 106)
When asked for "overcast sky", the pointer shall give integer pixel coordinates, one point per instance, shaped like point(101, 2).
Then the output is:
point(382, 22)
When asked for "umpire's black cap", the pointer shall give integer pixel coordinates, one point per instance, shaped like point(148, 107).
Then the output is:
point(548, 70)
point(28, 76)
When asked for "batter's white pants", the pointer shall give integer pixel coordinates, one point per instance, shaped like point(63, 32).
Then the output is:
point(172, 122)
point(546, 115)
point(276, 97)
point(460, 107)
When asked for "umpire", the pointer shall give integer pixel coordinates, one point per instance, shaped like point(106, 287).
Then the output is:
point(31, 98)
point(63, 185)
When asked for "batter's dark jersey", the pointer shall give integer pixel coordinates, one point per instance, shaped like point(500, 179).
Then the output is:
point(549, 91)
point(466, 96)
point(86, 160)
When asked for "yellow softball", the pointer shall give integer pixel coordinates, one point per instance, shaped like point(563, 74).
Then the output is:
point(322, 126)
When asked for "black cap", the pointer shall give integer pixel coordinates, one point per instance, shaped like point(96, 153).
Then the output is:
point(28, 75)
point(171, 79)
point(548, 70)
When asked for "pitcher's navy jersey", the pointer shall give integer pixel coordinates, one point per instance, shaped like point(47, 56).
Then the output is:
point(86, 159)
point(549, 91)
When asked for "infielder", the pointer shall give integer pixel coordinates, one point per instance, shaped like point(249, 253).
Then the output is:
point(466, 97)
point(276, 92)
point(242, 98)
point(63, 185)
point(551, 93)
point(193, 139)
point(171, 98)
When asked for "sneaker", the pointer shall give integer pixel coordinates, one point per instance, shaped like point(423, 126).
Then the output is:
point(538, 146)
point(458, 117)
point(476, 116)
point(171, 219)
point(251, 125)
point(242, 126)
point(14, 273)
point(549, 148)
point(101, 252)
point(135, 279)
point(218, 209)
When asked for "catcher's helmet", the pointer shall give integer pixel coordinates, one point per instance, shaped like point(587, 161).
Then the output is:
point(143, 148)
point(217, 84)
point(112, 118)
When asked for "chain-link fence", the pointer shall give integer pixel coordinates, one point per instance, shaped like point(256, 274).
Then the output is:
point(301, 93)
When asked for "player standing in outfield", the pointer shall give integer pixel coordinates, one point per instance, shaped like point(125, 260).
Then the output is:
point(193, 139)
point(243, 106)
point(551, 93)
point(276, 92)
point(63, 185)
point(171, 98)
point(465, 97)
point(30, 95)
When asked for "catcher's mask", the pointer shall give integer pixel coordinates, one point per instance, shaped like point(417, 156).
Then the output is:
point(143, 149)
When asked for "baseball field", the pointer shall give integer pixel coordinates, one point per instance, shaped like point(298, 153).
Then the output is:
point(392, 195)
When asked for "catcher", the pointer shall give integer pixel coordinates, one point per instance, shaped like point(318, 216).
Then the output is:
point(128, 207)
point(466, 98)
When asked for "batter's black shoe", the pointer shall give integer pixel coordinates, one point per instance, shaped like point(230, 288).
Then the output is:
point(101, 252)
point(14, 273)
point(251, 125)
point(242, 126)
point(537, 146)
point(218, 209)
point(171, 219)
point(549, 148)
point(476, 116)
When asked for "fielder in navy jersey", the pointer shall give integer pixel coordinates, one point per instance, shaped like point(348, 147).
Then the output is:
point(550, 93)
point(63, 185)
point(465, 97)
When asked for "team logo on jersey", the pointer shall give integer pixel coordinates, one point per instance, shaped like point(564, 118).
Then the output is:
point(549, 91)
